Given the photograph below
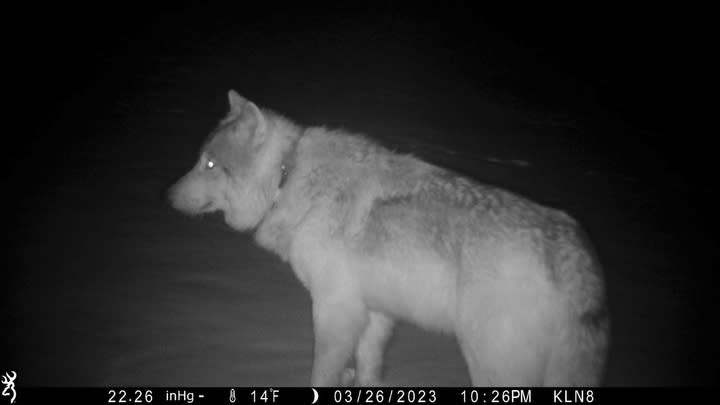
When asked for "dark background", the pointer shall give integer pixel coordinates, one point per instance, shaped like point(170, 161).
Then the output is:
point(592, 111)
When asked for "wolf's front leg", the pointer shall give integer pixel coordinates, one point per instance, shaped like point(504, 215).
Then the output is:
point(338, 324)
point(371, 348)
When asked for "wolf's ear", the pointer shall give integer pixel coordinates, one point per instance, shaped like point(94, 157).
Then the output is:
point(237, 102)
point(253, 113)
point(250, 113)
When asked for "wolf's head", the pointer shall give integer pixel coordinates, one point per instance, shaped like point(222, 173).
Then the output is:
point(240, 167)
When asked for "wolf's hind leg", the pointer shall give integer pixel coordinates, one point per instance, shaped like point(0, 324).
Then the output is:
point(338, 325)
point(370, 349)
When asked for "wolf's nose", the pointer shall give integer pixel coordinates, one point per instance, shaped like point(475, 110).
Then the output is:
point(174, 197)
point(171, 193)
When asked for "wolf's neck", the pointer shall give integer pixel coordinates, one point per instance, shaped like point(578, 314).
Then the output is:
point(273, 231)
point(287, 163)
point(290, 134)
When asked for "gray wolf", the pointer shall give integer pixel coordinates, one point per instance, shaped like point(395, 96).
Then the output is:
point(377, 237)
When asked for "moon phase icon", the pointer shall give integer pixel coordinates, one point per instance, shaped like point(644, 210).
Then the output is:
point(315, 395)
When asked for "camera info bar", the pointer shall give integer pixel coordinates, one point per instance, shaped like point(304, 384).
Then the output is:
point(326, 396)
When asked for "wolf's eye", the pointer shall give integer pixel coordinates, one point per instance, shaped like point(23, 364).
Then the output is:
point(210, 164)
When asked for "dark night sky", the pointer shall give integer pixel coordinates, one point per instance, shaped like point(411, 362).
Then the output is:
point(633, 69)
point(621, 88)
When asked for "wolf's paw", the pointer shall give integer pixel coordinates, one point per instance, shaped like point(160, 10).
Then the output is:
point(366, 381)
point(350, 378)
point(347, 378)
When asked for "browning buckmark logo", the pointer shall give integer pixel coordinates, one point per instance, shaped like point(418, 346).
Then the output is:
point(9, 382)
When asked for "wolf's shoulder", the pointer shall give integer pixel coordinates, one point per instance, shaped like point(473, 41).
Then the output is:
point(342, 147)
point(359, 167)
point(337, 158)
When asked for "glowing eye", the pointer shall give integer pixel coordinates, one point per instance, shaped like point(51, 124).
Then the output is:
point(210, 164)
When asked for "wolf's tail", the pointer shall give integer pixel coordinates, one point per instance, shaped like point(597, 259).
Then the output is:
point(578, 355)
